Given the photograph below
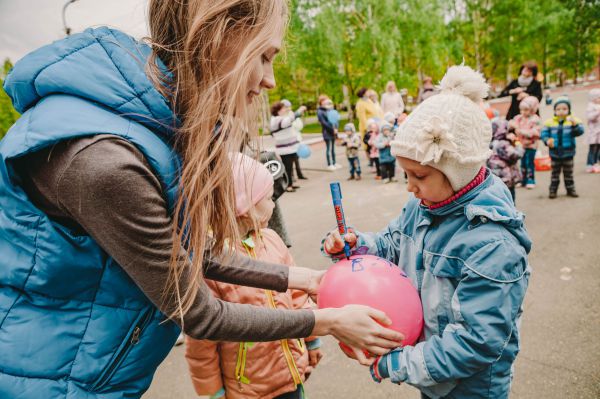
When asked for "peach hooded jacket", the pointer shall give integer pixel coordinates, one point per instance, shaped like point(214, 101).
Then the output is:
point(252, 369)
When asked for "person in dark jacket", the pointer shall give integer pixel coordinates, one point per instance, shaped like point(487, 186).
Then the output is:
point(329, 133)
point(525, 85)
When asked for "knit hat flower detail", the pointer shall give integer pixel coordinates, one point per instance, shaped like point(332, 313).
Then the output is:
point(434, 140)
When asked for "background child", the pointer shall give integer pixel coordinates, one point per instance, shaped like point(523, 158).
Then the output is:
point(506, 152)
point(254, 369)
point(559, 135)
point(461, 242)
point(527, 126)
point(373, 133)
point(352, 143)
point(387, 162)
point(366, 138)
point(390, 118)
point(593, 118)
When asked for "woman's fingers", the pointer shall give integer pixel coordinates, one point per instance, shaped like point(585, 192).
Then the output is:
point(362, 358)
point(380, 316)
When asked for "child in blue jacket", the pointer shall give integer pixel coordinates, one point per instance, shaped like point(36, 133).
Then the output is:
point(461, 242)
point(559, 135)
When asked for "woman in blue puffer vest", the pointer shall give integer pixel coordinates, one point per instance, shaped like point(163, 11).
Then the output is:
point(95, 276)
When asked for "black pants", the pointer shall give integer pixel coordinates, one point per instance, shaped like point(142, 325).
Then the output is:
point(298, 170)
point(593, 154)
point(330, 151)
point(388, 170)
point(513, 193)
point(297, 394)
point(566, 165)
point(375, 161)
point(288, 163)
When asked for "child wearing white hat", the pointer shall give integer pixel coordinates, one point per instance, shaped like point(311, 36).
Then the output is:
point(461, 242)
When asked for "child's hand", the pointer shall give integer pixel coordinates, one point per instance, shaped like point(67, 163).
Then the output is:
point(334, 243)
point(550, 142)
point(314, 357)
point(307, 372)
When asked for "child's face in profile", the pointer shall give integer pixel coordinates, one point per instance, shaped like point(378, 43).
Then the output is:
point(387, 132)
point(373, 128)
point(561, 110)
point(263, 210)
point(525, 111)
point(425, 182)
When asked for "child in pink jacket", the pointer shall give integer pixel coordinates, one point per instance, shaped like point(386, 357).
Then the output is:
point(593, 119)
point(248, 370)
point(527, 126)
point(373, 131)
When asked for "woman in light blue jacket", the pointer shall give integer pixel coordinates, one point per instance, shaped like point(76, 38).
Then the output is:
point(461, 242)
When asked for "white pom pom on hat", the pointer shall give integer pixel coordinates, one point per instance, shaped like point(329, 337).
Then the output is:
point(449, 131)
point(464, 81)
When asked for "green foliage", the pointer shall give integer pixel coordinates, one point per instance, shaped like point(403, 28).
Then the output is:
point(355, 43)
point(8, 115)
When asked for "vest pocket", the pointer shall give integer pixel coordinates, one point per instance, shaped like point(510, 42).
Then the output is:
point(132, 339)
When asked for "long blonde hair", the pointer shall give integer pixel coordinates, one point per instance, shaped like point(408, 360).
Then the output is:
point(189, 36)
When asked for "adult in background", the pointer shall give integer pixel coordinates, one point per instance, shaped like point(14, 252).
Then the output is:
point(297, 125)
point(365, 110)
point(117, 199)
point(374, 97)
point(329, 132)
point(391, 100)
point(427, 89)
point(286, 137)
point(525, 85)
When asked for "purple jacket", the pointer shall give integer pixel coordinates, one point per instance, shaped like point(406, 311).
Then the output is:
point(505, 155)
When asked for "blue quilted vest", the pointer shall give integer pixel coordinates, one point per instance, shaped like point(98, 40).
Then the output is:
point(72, 323)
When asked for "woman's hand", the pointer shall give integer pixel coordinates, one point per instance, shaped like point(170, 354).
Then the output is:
point(359, 327)
point(305, 279)
point(550, 142)
point(334, 244)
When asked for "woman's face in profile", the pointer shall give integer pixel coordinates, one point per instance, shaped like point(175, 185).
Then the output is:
point(261, 74)
point(526, 72)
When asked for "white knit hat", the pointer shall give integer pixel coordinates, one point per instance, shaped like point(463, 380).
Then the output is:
point(449, 131)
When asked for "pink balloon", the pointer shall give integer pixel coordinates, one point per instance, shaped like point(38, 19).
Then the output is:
point(378, 283)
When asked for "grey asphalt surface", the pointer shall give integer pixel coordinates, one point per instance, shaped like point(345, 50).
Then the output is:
point(560, 353)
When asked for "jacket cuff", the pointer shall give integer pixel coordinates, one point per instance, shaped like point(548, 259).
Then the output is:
point(386, 365)
point(219, 394)
point(314, 344)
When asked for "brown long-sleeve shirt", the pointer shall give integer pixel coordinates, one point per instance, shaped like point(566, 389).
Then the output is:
point(102, 186)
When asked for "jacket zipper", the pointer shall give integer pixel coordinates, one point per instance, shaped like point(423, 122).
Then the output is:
point(240, 366)
point(132, 339)
point(285, 346)
point(241, 363)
